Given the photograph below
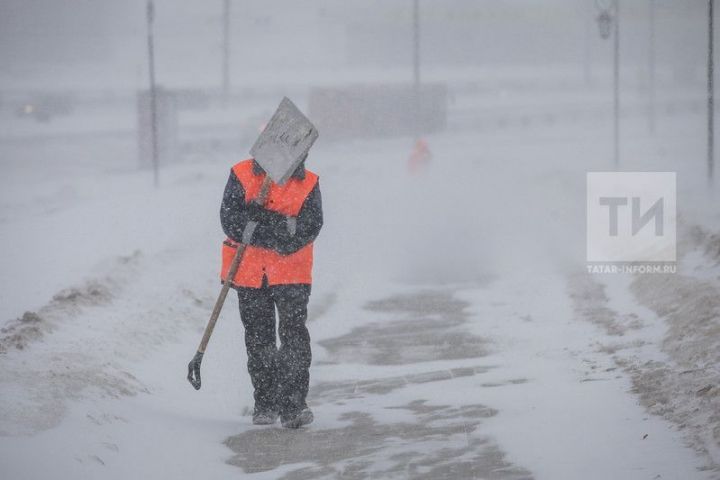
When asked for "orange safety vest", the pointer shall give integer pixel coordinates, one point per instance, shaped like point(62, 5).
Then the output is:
point(257, 262)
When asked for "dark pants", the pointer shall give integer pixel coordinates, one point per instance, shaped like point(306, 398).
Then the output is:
point(280, 376)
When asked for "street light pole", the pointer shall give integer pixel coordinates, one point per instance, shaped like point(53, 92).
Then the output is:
point(153, 92)
point(651, 70)
point(587, 52)
point(226, 50)
point(610, 17)
point(710, 96)
point(616, 84)
point(416, 66)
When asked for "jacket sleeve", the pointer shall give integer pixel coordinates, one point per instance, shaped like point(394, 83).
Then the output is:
point(234, 216)
point(308, 223)
point(274, 230)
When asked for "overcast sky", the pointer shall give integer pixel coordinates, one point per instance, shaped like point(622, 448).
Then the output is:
point(73, 39)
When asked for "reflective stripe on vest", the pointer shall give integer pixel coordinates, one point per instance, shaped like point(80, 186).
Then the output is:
point(257, 262)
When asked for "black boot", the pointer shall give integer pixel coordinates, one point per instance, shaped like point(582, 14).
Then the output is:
point(264, 416)
point(298, 419)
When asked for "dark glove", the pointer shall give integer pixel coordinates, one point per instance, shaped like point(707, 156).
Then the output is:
point(194, 370)
point(256, 212)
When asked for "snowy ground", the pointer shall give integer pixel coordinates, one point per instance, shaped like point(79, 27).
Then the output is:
point(455, 335)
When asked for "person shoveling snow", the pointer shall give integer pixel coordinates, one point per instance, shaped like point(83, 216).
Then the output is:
point(271, 213)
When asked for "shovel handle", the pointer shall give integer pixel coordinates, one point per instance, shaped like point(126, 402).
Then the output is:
point(247, 235)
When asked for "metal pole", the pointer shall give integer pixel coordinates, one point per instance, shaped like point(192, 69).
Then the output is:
point(226, 50)
point(587, 51)
point(416, 43)
point(153, 93)
point(651, 70)
point(616, 84)
point(710, 95)
point(416, 65)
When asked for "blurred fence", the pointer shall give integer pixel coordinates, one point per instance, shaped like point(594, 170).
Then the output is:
point(372, 111)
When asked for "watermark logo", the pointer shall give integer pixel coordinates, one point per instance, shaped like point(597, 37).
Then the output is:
point(631, 221)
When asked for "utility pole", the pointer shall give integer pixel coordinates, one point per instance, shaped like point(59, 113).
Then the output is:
point(587, 52)
point(416, 43)
point(153, 92)
point(416, 66)
point(616, 84)
point(226, 51)
point(651, 69)
point(710, 96)
point(610, 17)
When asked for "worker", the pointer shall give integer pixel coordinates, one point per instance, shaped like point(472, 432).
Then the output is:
point(275, 272)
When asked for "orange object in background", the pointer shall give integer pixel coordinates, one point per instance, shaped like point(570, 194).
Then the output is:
point(419, 157)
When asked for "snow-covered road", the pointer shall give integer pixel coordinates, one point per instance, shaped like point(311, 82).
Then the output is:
point(447, 343)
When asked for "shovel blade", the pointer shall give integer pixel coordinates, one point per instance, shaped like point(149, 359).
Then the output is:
point(284, 142)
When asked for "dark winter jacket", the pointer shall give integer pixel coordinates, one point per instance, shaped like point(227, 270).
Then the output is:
point(273, 231)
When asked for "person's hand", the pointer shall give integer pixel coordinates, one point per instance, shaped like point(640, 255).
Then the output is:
point(255, 212)
point(193, 375)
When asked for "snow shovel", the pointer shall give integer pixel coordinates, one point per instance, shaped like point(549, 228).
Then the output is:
point(279, 150)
